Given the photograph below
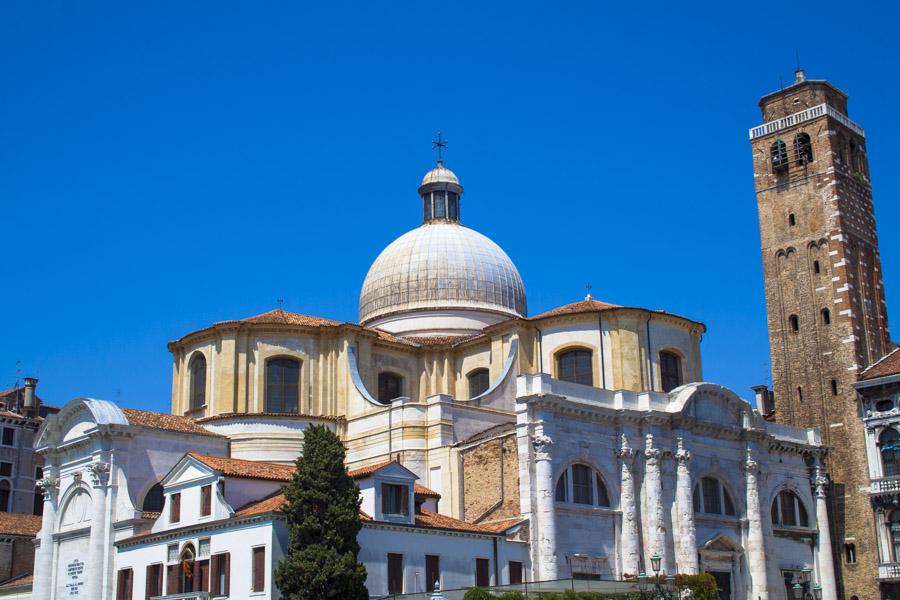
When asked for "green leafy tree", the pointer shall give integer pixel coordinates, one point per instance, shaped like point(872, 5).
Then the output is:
point(322, 511)
point(477, 593)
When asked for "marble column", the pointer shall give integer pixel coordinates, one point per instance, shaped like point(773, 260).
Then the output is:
point(629, 542)
point(686, 558)
point(826, 557)
point(756, 541)
point(97, 577)
point(546, 563)
point(656, 524)
point(43, 562)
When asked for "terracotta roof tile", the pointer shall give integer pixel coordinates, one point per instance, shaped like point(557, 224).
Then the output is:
point(889, 364)
point(442, 340)
point(21, 580)
point(364, 516)
point(368, 470)
point(248, 469)
point(421, 490)
point(430, 519)
point(19, 524)
point(502, 525)
point(150, 514)
point(271, 503)
point(284, 317)
point(155, 420)
point(583, 306)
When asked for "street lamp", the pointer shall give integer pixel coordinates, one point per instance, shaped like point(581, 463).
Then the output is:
point(655, 562)
point(803, 592)
point(659, 591)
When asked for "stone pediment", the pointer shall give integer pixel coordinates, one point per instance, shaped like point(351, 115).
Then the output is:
point(711, 403)
point(721, 544)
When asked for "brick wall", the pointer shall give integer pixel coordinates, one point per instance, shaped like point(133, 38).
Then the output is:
point(485, 496)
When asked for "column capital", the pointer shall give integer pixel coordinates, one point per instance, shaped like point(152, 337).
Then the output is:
point(750, 465)
point(542, 444)
point(682, 455)
point(49, 485)
point(625, 452)
point(820, 482)
point(650, 453)
point(99, 471)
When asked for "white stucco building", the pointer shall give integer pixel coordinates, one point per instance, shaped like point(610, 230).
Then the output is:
point(574, 443)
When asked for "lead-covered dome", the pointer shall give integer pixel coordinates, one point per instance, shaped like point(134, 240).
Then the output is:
point(441, 277)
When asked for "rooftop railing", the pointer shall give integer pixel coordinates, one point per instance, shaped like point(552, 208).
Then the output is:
point(803, 116)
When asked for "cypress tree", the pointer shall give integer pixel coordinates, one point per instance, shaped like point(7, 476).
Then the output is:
point(322, 512)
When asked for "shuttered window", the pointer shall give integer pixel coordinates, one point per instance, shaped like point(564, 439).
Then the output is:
point(432, 571)
point(515, 572)
point(221, 574)
point(123, 587)
point(154, 584)
point(482, 572)
point(205, 500)
point(395, 573)
point(175, 508)
point(172, 575)
point(201, 576)
point(259, 569)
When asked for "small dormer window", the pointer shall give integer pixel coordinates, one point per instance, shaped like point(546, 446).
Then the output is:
point(394, 499)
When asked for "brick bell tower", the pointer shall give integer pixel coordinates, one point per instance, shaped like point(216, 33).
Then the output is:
point(824, 294)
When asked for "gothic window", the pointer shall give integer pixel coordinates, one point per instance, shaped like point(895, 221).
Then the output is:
point(575, 366)
point(794, 321)
point(889, 446)
point(788, 511)
point(803, 149)
point(587, 487)
point(198, 381)
point(779, 156)
point(479, 381)
point(669, 370)
point(282, 385)
point(711, 497)
point(826, 316)
point(390, 386)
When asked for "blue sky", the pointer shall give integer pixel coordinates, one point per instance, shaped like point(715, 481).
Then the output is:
point(167, 165)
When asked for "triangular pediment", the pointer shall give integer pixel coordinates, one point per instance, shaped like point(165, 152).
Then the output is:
point(186, 470)
point(722, 543)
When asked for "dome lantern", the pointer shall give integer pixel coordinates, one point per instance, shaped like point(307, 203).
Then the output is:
point(440, 192)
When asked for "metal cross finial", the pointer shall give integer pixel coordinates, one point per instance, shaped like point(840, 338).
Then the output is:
point(440, 143)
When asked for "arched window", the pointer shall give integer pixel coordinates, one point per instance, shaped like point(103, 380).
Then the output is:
point(817, 267)
point(440, 204)
point(794, 321)
point(669, 370)
point(479, 381)
point(186, 569)
point(826, 316)
point(452, 206)
point(153, 500)
point(282, 385)
point(788, 511)
point(850, 553)
point(889, 446)
point(792, 219)
point(5, 493)
point(575, 366)
point(390, 386)
point(426, 207)
point(711, 497)
point(779, 156)
point(198, 381)
point(580, 484)
point(884, 405)
point(803, 149)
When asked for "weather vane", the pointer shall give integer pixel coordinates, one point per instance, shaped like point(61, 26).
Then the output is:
point(440, 143)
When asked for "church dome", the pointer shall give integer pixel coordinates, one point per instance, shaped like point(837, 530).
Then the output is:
point(441, 277)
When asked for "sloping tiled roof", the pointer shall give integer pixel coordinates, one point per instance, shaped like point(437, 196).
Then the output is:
point(421, 490)
point(284, 317)
point(16, 392)
point(887, 365)
point(441, 340)
point(430, 519)
point(583, 306)
point(502, 525)
point(19, 524)
point(268, 504)
point(155, 420)
point(248, 469)
point(21, 580)
point(233, 415)
point(366, 471)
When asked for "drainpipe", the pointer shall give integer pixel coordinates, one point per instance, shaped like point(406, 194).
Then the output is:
point(540, 350)
point(602, 363)
point(496, 564)
point(649, 355)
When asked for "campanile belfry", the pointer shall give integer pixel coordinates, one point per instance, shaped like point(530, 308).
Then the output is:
point(825, 302)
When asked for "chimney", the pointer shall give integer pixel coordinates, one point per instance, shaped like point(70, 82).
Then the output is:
point(29, 403)
point(765, 399)
point(799, 76)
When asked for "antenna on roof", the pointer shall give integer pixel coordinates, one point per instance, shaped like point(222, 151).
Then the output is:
point(588, 287)
point(797, 54)
point(280, 302)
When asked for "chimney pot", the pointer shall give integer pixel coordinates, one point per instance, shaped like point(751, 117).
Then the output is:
point(29, 400)
point(799, 76)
